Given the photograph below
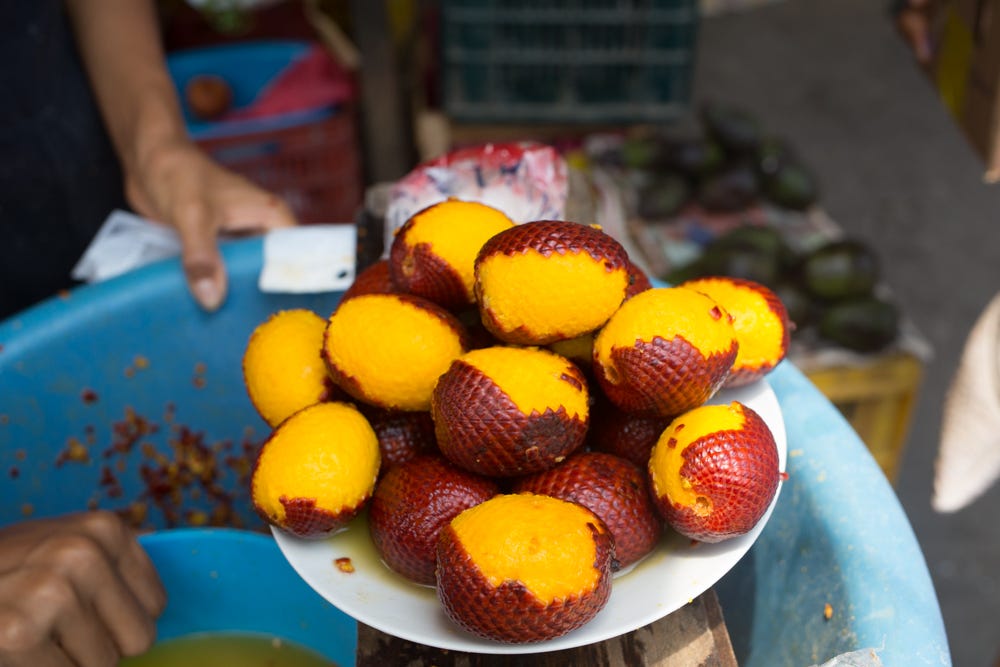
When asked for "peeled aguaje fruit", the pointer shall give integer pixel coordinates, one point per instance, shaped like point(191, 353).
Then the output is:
point(761, 323)
point(549, 280)
point(665, 351)
point(316, 470)
point(714, 472)
point(524, 568)
point(282, 368)
point(611, 487)
point(433, 253)
point(388, 350)
point(412, 503)
point(505, 411)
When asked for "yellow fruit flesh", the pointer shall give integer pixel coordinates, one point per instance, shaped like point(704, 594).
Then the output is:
point(282, 367)
point(532, 378)
point(394, 349)
point(456, 230)
point(570, 294)
point(667, 458)
point(666, 312)
point(544, 543)
point(327, 452)
point(758, 328)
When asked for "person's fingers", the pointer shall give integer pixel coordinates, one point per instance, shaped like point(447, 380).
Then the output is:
point(135, 566)
point(49, 655)
point(257, 214)
point(84, 639)
point(203, 266)
point(85, 566)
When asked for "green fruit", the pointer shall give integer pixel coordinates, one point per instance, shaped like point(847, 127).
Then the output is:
point(865, 324)
point(765, 237)
point(741, 260)
point(773, 154)
point(791, 186)
point(838, 270)
point(733, 189)
point(695, 157)
point(663, 197)
point(802, 310)
point(736, 130)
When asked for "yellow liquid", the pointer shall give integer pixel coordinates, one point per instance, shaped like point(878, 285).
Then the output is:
point(227, 650)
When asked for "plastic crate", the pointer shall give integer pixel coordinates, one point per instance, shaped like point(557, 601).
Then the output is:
point(310, 157)
point(583, 61)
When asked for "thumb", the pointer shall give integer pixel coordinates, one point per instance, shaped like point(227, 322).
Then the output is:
point(204, 269)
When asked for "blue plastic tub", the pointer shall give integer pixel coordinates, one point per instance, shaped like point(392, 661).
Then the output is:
point(234, 581)
point(73, 367)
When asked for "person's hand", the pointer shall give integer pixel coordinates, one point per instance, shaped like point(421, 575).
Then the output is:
point(75, 591)
point(181, 186)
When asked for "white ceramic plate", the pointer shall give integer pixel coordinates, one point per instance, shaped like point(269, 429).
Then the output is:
point(670, 577)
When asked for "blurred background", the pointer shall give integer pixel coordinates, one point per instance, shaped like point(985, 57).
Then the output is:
point(795, 142)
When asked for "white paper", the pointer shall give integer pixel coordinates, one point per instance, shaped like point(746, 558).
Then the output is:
point(310, 258)
point(125, 242)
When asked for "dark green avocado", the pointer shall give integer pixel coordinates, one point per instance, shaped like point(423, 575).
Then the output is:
point(837, 270)
point(865, 324)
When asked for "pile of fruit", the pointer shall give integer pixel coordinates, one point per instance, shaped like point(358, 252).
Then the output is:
point(520, 413)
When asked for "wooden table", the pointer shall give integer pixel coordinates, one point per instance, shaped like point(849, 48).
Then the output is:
point(693, 636)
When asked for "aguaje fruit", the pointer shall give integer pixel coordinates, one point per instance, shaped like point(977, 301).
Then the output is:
point(402, 435)
point(375, 279)
point(505, 411)
point(316, 470)
point(388, 350)
point(524, 568)
point(433, 253)
point(614, 489)
point(549, 280)
point(282, 368)
point(714, 472)
point(665, 351)
point(412, 503)
point(623, 434)
point(761, 323)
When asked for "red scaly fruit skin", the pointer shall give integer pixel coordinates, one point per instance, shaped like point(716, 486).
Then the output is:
point(638, 281)
point(614, 489)
point(546, 237)
point(510, 613)
point(737, 471)
point(416, 269)
point(480, 429)
point(412, 503)
point(629, 436)
point(351, 386)
point(402, 435)
point(373, 280)
point(661, 378)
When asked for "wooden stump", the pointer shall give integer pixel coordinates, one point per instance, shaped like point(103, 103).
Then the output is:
point(693, 636)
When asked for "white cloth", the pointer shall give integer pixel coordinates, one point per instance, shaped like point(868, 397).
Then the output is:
point(969, 451)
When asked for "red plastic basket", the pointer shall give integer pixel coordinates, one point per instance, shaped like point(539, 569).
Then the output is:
point(314, 166)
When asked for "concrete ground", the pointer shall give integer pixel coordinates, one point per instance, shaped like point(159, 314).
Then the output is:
point(835, 79)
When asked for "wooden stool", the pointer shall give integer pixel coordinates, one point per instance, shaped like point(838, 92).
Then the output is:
point(693, 636)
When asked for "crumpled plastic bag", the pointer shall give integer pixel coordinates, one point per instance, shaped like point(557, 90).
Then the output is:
point(866, 657)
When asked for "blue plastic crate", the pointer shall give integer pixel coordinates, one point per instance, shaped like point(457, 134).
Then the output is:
point(588, 61)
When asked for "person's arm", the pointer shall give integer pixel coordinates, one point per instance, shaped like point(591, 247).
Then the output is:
point(77, 590)
point(167, 177)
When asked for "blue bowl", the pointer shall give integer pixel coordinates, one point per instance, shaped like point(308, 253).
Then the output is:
point(235, 581)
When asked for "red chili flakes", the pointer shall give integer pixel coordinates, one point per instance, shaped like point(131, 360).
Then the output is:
point(20, 454)
point(129, 372)
point(784, 476)
point(344, 565)
point(14, 472)
point(827, 611)
point(63, 294)
point(88, 396)
point(140, 362)
point(27, 509)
